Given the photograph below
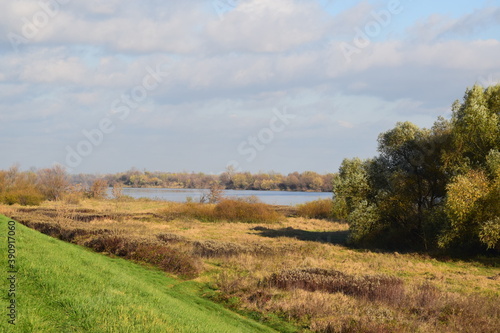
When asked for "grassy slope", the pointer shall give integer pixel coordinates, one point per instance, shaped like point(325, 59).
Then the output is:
point(65, 288)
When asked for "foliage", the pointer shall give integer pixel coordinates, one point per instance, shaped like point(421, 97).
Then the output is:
point(351, 186)
point(490, 233)
point(429, 188)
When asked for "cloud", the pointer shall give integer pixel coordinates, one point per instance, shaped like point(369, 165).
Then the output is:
point(438, 27)
point(226, 75)
point(268, 26)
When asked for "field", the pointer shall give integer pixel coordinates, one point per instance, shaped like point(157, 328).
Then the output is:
point(65, 288)
point(294, 274)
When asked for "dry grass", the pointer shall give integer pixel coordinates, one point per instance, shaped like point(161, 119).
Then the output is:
point(297, 268)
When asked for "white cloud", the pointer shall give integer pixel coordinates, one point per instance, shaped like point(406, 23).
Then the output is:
point(268, 26)
point(227, 75)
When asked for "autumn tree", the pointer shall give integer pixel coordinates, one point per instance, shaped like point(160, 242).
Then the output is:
point(429, 188)
point(98, 189)
point(53, 182)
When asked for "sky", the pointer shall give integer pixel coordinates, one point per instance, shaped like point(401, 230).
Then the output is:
point(199, 85)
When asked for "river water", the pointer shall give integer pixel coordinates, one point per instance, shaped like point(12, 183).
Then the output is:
point(269, 197)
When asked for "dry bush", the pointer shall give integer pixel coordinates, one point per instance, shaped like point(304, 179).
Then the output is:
point(73, 195)
point(98, 189)
point(318, 209)
point(372, 287)
point(168, 259)
point(241, 211)
point(113, 244)
point(53, 182)
point(355, 325)
point(215, 194)
point(217, 249)
point(170, 238)
point(26, 197)
point(189, 210)
point(18, 187)
point(226, 210)
point(456, 313)
point(117, 190)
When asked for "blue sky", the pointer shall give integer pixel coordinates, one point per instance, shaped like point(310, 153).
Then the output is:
point(283, 85)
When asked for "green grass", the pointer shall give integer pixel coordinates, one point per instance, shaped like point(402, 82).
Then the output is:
point(65, 288)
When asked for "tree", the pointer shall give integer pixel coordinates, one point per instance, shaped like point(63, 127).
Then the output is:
point(98, 189)
point(429, 187)
point(53, 182)
point(476, 126)
point(351, 185)
point(117, 190)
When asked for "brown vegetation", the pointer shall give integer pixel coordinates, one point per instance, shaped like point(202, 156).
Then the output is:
point(293, 268)
point(318, 209)
point(226, 210)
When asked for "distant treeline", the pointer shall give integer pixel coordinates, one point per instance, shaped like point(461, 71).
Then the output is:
point(305, 181)
point(34, 186)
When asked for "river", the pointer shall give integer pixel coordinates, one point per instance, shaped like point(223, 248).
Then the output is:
point(269, 197)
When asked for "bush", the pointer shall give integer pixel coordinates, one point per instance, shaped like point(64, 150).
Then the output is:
point(372, 287)
point(241, 211)
point(98, 189)
point(226, 210)
point(168, 259)
point(213, 249)
point(318, 209)
point(27, 197)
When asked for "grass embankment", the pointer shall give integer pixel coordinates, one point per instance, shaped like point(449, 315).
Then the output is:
point(62, 287)
point(296, 270)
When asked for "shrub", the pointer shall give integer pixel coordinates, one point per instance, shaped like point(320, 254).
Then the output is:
point(212, 248)
point(168, 259)
point(25, 197)
point(318, 209)
point(98, 189)
point(53, 182)
point(241, 211)
point(226, 210)
point(372, 287)
point(170, 238)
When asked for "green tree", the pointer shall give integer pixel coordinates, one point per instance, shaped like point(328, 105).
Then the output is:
point(351, 191)
point(429, 187)
point(476, 127)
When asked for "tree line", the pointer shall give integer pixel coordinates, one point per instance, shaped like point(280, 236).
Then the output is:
point(429, 189)
point(230, 179)
point(34, 186)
